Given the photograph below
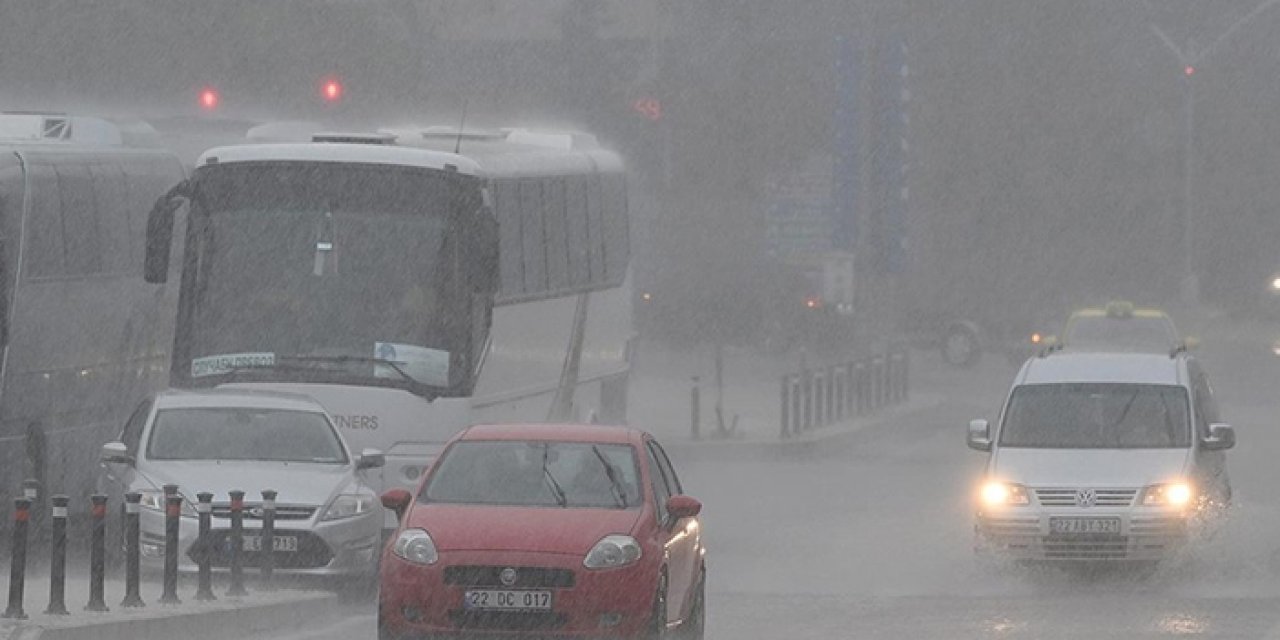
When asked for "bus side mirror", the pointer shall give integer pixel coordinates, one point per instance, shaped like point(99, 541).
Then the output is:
point(160, 234)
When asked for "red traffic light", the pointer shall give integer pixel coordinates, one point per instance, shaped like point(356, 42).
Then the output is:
point(650, 108)
point(1190, 71)
point(331, 90)
point(209, 98)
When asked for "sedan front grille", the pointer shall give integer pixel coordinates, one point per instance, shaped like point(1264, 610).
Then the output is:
point(507, 620)
point(1071, 497)
point(253, 511)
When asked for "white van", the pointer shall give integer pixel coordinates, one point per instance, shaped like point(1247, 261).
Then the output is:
point(1100, 457)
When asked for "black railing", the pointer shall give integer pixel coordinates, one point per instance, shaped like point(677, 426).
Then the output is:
point(819, 396)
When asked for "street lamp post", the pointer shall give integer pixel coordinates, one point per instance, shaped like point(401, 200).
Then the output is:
point(1191, 57)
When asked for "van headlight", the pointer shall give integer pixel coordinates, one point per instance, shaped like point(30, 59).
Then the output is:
point(612, 551)
point(1170, 494)
point(350, 505)
point(1003, 494)
point(416, 546)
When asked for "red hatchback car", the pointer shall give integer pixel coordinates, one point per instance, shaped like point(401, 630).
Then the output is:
point(549, 531)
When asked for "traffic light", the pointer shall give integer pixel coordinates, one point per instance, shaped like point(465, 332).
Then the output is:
point(331, 89)
point(209, 99)
point(1190, 71)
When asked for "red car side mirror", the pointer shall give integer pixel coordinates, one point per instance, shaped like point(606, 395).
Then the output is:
point(397, 500)
point(683, 507)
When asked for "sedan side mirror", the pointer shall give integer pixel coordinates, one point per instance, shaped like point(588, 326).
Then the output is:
point(115, 453)
point(1221, 437)
point(370, 459)
point(681, 506)
point(979, 435)
point(397, 500)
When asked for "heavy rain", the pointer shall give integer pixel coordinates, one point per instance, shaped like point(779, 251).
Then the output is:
point(637, 318)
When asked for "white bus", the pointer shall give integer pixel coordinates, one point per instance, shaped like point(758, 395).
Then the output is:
point(411, 289)
point(82, 336)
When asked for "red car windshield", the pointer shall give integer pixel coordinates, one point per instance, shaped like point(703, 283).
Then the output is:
point(536, 474)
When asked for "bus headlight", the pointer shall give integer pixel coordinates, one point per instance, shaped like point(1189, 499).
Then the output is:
point(1001, 494)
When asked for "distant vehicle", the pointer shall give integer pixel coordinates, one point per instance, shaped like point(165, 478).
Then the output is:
point(552, 530)
point(410, 289)
point(328, 517)
point(82, 337)
point(1121, 327)
point(1101, 456)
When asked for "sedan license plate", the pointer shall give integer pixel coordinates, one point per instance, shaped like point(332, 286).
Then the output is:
point(280, 543)
point(1085, 525)
point(498, 599)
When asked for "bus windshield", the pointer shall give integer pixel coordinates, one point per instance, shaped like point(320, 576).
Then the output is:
point(303, 268)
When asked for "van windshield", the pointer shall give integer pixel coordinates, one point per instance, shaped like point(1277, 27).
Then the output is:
point(1097, 416)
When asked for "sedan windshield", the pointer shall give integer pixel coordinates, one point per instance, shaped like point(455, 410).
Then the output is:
point(1097, 416)
point(236, 433)
point(543, 474)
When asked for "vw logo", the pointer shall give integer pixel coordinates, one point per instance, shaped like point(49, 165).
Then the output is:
point(256, 512)
point(507, 577)
point(1086, 497)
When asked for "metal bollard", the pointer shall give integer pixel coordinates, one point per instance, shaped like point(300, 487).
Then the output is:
point(58, 559)
point(861, 386)
point(172, 522)
point(18, 560)
point(786, 406)
point(832, 417)
point(797, 405)
point(695, 410)
point(132, 550)
point(236, 548)
point(268, 566)
point(98, 554)
point(204, 509)
point(819, 399)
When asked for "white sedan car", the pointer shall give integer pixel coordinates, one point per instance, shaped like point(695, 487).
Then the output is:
point(328, 519)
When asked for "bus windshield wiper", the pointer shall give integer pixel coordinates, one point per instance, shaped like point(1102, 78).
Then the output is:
point(556, 489)
point(619, 493)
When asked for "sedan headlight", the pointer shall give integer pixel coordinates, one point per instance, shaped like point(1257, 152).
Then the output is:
point(416, 546)
point(1001, 494)
point(1172, 494)
point(612, 551)
point(350, 505)
point(153, 499)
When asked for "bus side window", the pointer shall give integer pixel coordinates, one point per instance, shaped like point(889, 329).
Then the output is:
point(533, 236)
point(113, 210)
point(616, 254)
point(553, 212)
point(80, 234)
point(43, 256)
point(576, 224)
point(595, 231)
point(506, 210)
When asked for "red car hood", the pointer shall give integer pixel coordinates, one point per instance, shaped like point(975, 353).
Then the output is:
point(538, 529)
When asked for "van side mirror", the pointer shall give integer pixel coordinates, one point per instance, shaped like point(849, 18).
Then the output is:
point(979, 435)
point(115, 453)
point(370, 459)
point(1221, 437)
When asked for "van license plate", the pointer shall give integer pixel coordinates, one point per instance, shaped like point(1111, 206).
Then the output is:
point(1085, 525)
